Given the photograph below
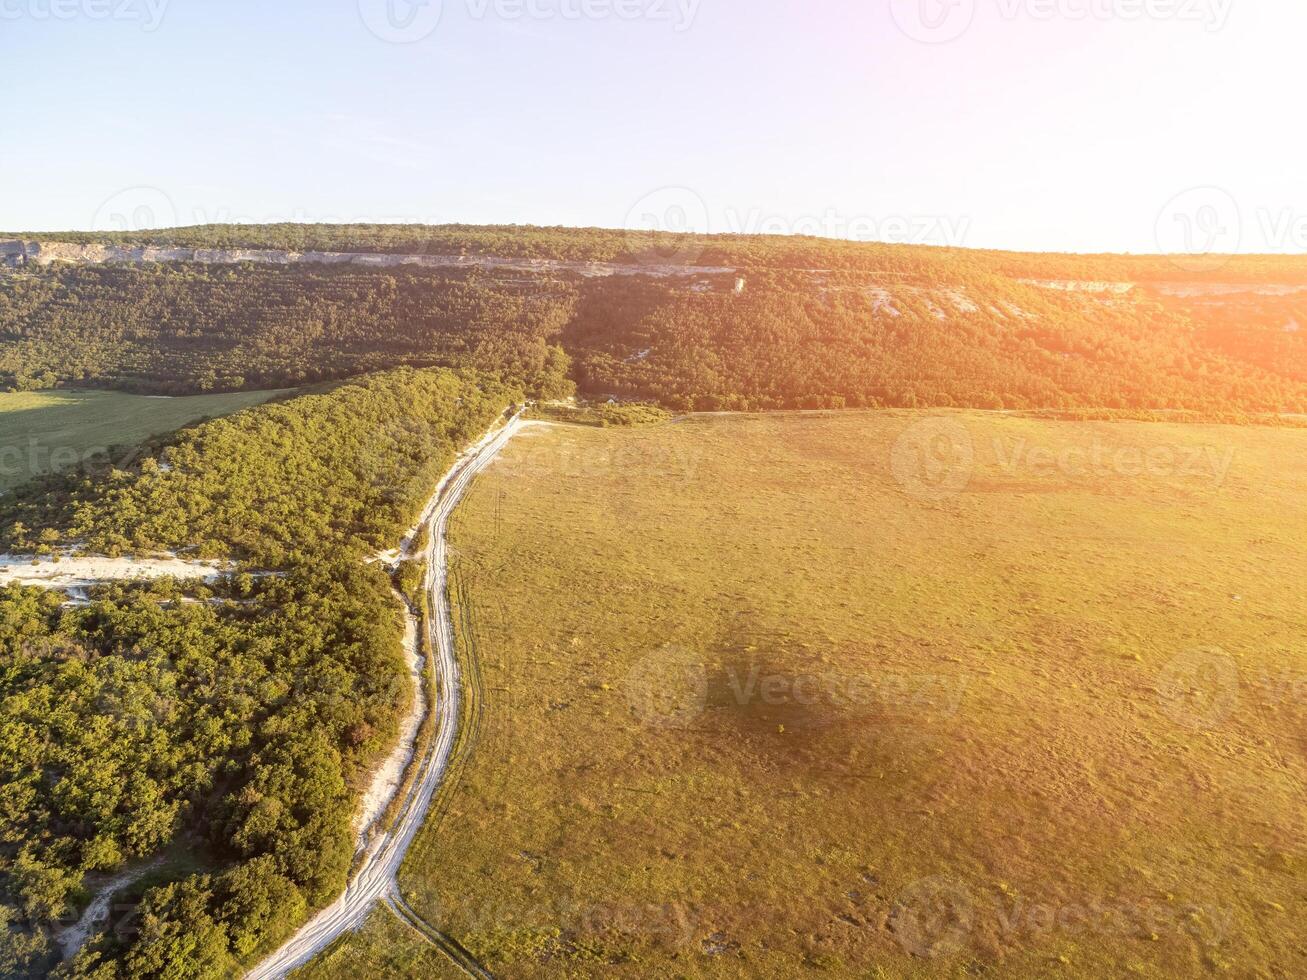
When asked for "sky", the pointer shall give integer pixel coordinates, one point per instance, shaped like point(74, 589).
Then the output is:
point(1073, 125)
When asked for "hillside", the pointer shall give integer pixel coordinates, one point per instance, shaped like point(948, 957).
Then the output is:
point(706, 323)
point(226, 729)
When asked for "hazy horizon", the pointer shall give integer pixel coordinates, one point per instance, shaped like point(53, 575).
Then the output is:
point(1088, 126)
point(18, 234)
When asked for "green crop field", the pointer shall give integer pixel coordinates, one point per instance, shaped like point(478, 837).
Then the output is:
point(43, 431)
point(876, 695)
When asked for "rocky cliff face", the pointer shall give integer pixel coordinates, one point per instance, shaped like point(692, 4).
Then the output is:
point(13, 255)
point(16, 254)
point(20, 254)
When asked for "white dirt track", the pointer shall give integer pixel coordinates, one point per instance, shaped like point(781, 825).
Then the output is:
point(376, 879)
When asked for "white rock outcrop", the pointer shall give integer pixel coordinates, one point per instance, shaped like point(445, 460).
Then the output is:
point(18, 254)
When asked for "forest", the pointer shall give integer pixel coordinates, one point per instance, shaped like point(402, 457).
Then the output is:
point(919, 331)
point(230, 725)
point(183, 329)
point(794, 341)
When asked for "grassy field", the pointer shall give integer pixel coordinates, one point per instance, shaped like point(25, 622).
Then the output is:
point(876, 695)
point(42, 431)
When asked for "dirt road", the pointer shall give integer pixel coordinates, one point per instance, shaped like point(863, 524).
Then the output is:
point(375, 879)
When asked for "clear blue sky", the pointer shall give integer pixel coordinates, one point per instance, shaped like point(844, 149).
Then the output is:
point(1043, 124)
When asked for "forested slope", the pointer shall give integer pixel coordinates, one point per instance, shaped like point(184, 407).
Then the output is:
point(795, 340)
point(800, 323)
point(236, 728)
point(184, 328)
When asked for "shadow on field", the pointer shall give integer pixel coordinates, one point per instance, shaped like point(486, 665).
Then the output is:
point(839, 722)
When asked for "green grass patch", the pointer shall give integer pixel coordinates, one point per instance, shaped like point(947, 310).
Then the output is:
point(44, 431)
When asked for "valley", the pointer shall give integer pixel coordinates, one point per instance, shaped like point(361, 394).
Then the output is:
point(760, 696)
point(964, 655)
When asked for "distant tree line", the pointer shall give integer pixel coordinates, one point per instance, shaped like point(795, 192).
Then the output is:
point(834, 338)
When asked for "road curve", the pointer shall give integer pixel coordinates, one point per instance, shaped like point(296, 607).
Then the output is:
point(375, 879)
